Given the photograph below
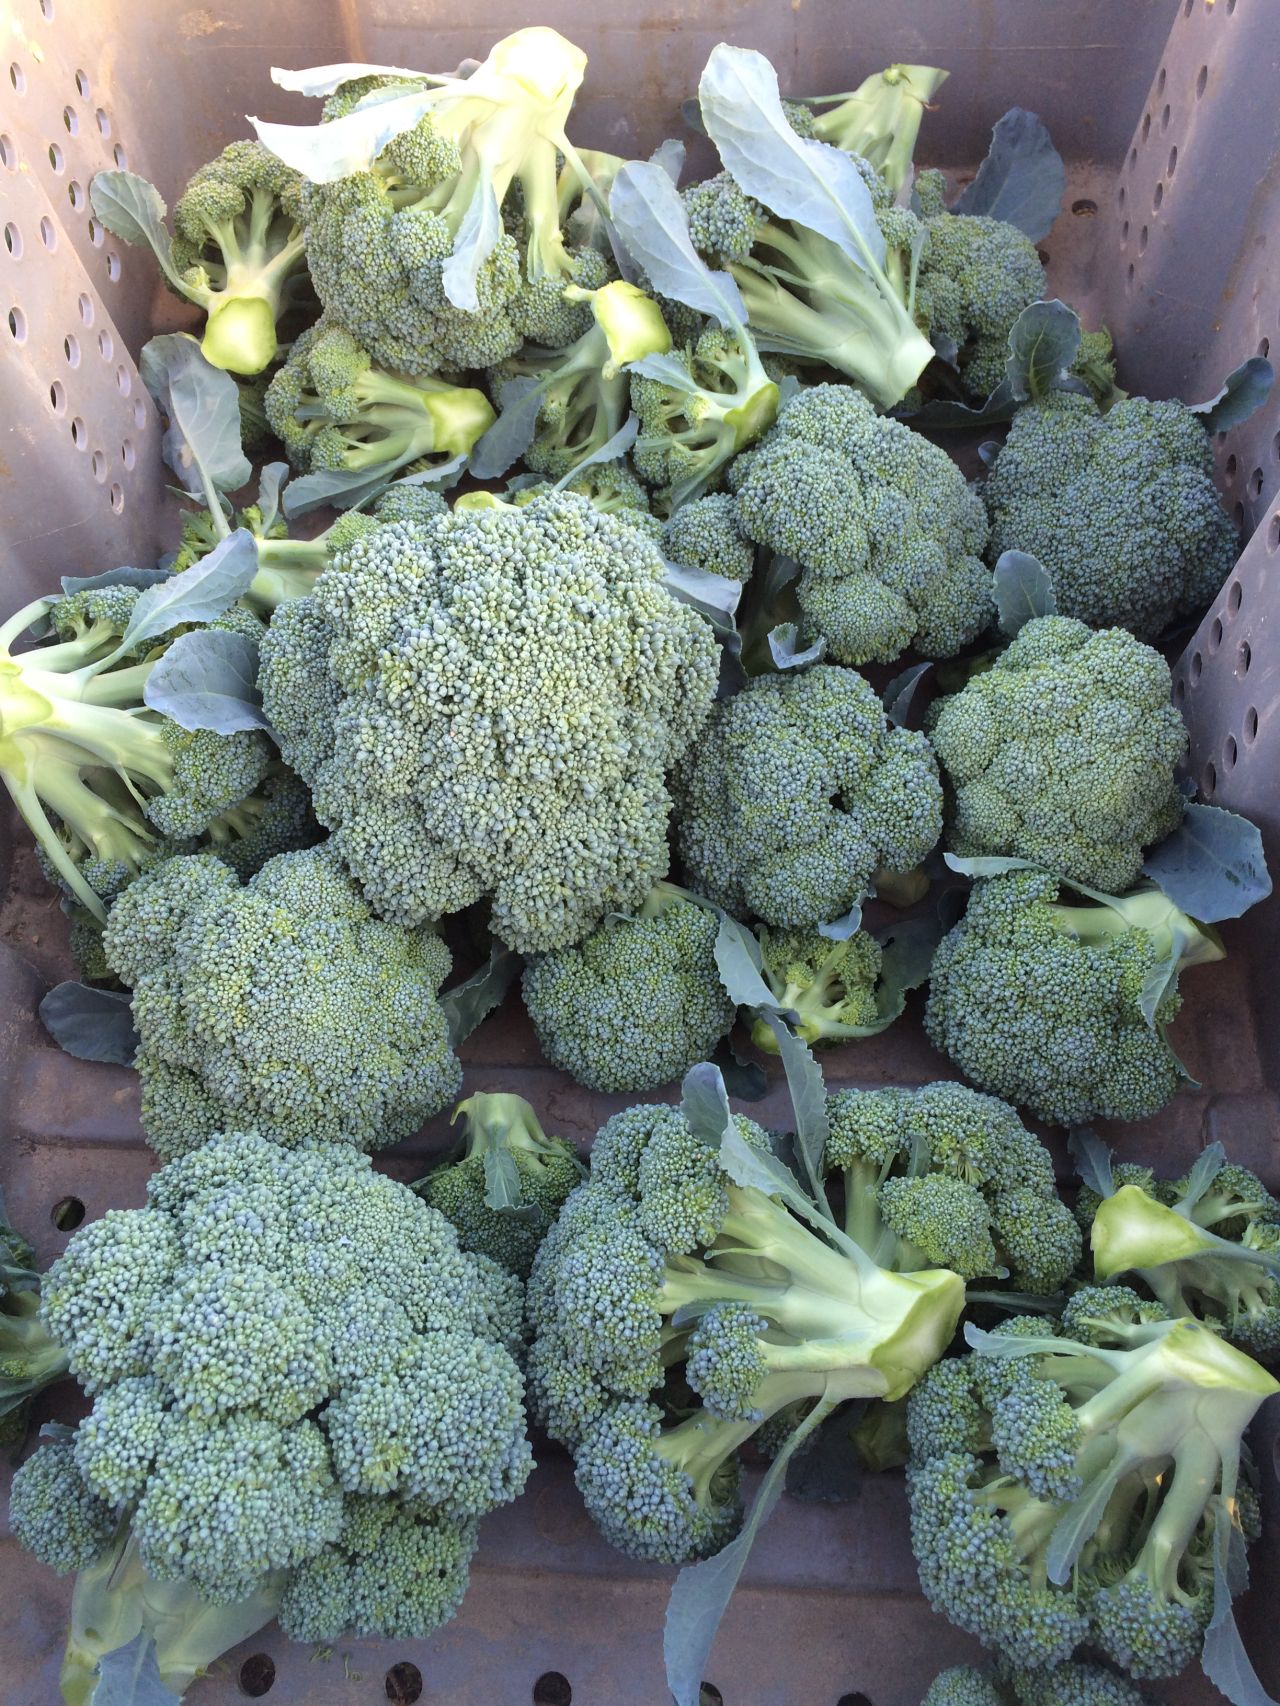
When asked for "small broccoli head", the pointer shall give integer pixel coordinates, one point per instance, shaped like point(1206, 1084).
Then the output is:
point(705, 535)
point(799, 792)
point(54, 1514)
point(829, 985)
point(976, 276)
point(888, 535)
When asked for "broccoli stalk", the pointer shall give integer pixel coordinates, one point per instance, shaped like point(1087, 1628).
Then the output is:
point(880, 120)
point(830, 986)
point(1174, 936)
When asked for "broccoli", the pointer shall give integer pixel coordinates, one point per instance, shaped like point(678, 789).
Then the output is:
point(1064, 753)
point(799, 792)
point(29, 1359)
point(281, 1004)
point(608, 486)
point(290, 1359)
point(238, 250)
point(508, 1185)
point(1206, 1246)
point(99, 779)
point(487, 704)
point(333, 409)
point(830, 986)
point(1070, 1491)
point(446, 250)
point(888, 535)
point(676, 1313)
point(1060, 1685)
point(1045, 1003)
point(879, 121)
point(705, 534)
point(1120, 509)
point(639, 1001)
point(943, 1176)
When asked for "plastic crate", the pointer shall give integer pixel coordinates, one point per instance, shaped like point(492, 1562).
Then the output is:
point(1165, 113)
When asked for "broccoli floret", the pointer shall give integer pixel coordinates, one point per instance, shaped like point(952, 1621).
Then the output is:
point(1086, 1507)
point(1064, 753)
point(101, 780)
point(878, 121)
point(607, 486)
point(1206, 1246)
point(53, 1513)
point(705, 535)
point(281, 1004)
point(829, 986)
point(507, 1186)
point(1120, 509)
point(238, 249)
point(1095, 363)
point(943, 1175)
point(963, 1686)
point(888, 535)
point(30, 1359)
point(638, 1002)
point(798, 792)
point(410, 254)
point(1042, 1002)
point(977, 274)
point(1058, 1685)
point(488, 703)
point(663, 1277)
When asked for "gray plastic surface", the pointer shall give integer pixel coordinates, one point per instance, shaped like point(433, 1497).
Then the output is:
point(829, 1611)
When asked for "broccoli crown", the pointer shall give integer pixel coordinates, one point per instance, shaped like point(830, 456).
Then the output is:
point(705, 535)
point(798, 792)
point(676, 1313)
point(54, 1513)
point(506, 1188)
point(1120, 508)
point(1082, 1502)
point(487, 704)
point(976, 276)
point(829, 986)
point(1064, 753)
point(1059, 1685)
point(1205, 1246)
point(888, 534)
point(282, 1004)
point(277, 1329)
point(945, 1176)
point(1041, 1003)
point(609, 486)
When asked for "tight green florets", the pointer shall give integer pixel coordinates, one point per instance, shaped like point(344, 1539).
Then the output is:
point(54, 1514)
point(705, 535)
point(977, 274)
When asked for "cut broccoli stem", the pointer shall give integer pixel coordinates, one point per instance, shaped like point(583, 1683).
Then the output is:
point(1148, 909)
point(496, 1123)
point(880, 120)
point(1133, 1233)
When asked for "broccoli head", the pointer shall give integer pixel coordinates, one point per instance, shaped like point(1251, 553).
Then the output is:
point(977, 274)
point(888, 535)
point(29, 1359)
point(1045, 1003)
point(799, 792)
point(705, 535)
point(1120, 508)
point(639, 1001)
point(488, 703)
point(1066, 1684)
point(282, 1004)
point(1064, 753)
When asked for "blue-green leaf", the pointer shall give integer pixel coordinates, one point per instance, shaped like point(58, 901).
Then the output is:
point(649, 214)
point(782, 648)
point(468, 1003)
point(840, 929)
point(323, 153)
point(130, 1676)
point(347, 489)
point(141, 578)
point(91, 1024)
point(987, 865)
point(1223, 1657)
point(669, 154)
point(475, 242)
point(612, 448)
point(704, 1102)
point(945, 412)
point(1213, 866)
point(199, 594)
point(511, 434)
point(898, 696)
point(1023, 591)
point(1022, 178)
point(134, 210)
point(208, 679)
point(270, 480)
point(1243, 392)
point(741, 967)
point(202, 441)
point(907, 950)
point(1043, 342)
point(1092, 1159)
point(716, 596)
point(745, 1080)
point(808, 1100)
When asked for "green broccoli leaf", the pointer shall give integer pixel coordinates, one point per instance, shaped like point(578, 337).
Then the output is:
point(199, 594)
point(899, 695)
point(1244, 391)
point(134, 210)
point(1023, 591)
point(506, 441)
point(1043, 342)
point(349, 488)
point(202, 441)
point(782, 648)
point(141, 578)
point(652, 222)
point(131, 1676)
point(468, 1003)
point(91, 1024)
point(1213, 866)
point(208, 680)
point(1022, 178)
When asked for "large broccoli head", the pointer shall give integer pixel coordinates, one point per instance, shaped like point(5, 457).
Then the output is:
point(1120, 509)
point(283, 1004)
point(488, 704)
point(888, 534)
point(1063, 753)
point(799, 792)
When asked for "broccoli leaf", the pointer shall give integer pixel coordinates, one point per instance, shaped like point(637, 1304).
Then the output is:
point(1092, 1159)
point(741, 967)
point(782, 648)
point(907, 951)
point(898, 696)
point(324, 153)
point(1023, 591)
point(612, 448)
point(808, 1100)
point(715, 596)
point(1213, 866)
point(91, 1024)
point(701, 1592)
point(669, 154)
point(1243, 392)
point(466, 1004)
point(273, 476)
point(1043, 342)
point(506, 441)
point(130, 1676)
point(809, 182)
point(202, 441)
point(1001, 405)
point(327, 79)
point(988, 865)
point(502, 1188)
point(1022, 178)
point(141, 578)
point(1222, 1657)
point(646, 208)
point(744, 1080)
point(477, 237)
point(346, 488)
point(199, 594)
point(134, 210)
point(840, 929)
point(208, 680)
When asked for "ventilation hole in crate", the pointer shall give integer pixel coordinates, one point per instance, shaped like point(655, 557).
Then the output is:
point(1275, 447)
point(1179, 691)
point(56, 158)
point(1121, 198)
point(1215, 635)
point(1165, 116)
point(1129, 274)
point(48, 235)
point(17, 325)
point(57, 397)
point(8, 153)
point(85, 305)
point(1230, 467)
point(1186, 7)
point(1264, 348)
point(18, 77)
point(67, 1213)
point(113, 267)
point(46, 10)
point(1085, 208)
point(1124, 232)
point(710, 1695)
point(1197, 668)
point(1158, 197)
point(1133, 158)
point(97, 231)
point(552, 1689)
point(1146, 126)
point(1231, 6)
point(1161, 80)
point(853, 1700)
point(124, 380)
point(98, 462)
point(76, 196)
point(1173, 163)
point(120, 157)
point(106, 346)
point(1202, 81)
point(1230, 752)
point(71, 121)
point(1237, 515)
point(1255, 483)
point(1249, 728)
point(128, 455)
point(1208, 779)
point(84, 88)
point(71, 349)
point(404, 1684)
point(1142, 240)
point(79, 433)
point(13, 240)
point(103, 122)
point(139, 413)
point(1244, 657)
point(257, 1674)
point(1235, 598)
point(117, 497)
